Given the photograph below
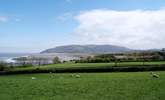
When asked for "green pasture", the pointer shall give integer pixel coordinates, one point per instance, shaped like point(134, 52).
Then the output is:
point(71, 65)
point(89, 86)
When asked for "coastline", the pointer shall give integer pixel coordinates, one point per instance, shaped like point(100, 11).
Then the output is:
point(8, 57)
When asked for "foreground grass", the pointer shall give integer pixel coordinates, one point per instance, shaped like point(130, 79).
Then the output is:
point(68, 65)
point(96, 86)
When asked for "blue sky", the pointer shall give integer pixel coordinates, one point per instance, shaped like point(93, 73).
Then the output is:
point(35, 25)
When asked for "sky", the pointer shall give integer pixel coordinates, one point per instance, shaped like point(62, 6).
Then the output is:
point(36, 25)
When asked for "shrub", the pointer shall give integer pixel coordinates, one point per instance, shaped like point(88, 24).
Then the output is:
point(3, 66)
point(56, 60)
point(28, 65)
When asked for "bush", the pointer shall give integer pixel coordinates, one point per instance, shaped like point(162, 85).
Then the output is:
point(27, 65)
point(56, 60)
point(3, 66)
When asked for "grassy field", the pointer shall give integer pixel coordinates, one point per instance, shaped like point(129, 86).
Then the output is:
point(95, 86)
point(68, 65)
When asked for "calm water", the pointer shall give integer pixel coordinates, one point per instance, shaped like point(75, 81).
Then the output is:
point(8, 56)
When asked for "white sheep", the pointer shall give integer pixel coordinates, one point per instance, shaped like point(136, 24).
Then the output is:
point(33, 78)
point(51, 74)
point(154, 75)
point(77, 76)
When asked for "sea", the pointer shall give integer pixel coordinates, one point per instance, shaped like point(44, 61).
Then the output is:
point(7, 57)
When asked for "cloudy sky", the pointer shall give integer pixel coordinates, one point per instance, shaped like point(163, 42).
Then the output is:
point(35, 25)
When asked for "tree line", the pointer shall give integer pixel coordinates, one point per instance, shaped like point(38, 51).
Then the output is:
point(124, 57)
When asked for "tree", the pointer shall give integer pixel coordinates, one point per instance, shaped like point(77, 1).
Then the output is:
point(56, 60)
point(143, 57)
point(89, 59)
point(3, 66)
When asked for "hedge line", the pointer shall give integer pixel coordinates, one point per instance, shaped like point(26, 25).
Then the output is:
point(89, 69)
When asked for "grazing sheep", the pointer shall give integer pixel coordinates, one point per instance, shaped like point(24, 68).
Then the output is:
point(77, 76)
point(154, 75)
point(51, 74)
point(33, 78)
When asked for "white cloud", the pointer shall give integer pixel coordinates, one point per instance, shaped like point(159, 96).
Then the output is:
point(3, 19)
point(138, 29)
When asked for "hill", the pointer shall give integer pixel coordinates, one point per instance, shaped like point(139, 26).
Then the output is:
point(87, 49)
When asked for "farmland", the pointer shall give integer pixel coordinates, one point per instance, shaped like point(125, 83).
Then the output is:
point(72, 65)
point(89, 86)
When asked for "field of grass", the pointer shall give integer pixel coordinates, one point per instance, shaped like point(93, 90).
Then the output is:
point(90, 86)
point(68, 65)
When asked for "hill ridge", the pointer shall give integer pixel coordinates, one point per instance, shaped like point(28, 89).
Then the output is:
point(91, 48)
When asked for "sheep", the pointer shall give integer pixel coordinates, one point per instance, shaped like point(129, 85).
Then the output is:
point(33, 78)
point(76, 76)
point(154, 75)
point(51, 74)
